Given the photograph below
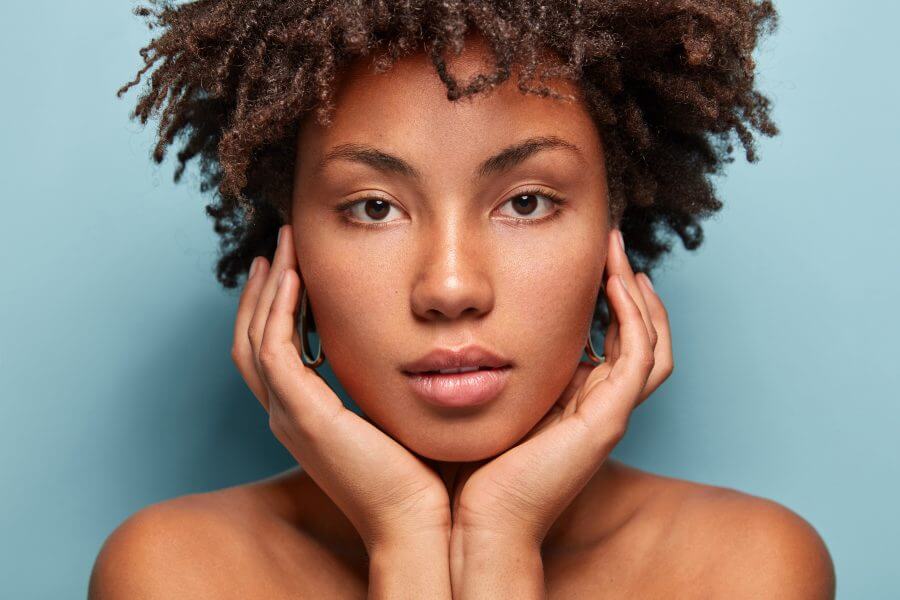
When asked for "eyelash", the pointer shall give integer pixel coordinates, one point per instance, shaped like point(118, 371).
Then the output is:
point(558, 202)
point(555, 199)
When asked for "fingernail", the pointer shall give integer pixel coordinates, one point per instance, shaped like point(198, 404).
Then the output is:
point(280, 234)
point(253, 266)
point(622, 281)
point(281, 277)
point(621, 238)
point(646, 279)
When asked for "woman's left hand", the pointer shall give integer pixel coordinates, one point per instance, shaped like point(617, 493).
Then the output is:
point(514, 498)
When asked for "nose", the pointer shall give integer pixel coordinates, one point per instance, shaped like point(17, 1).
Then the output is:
point(452, 279)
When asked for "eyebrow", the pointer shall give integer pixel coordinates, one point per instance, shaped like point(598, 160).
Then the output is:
point(502, 161)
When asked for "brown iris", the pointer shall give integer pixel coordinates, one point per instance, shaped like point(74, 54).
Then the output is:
point(377, 209)
point(521, 202)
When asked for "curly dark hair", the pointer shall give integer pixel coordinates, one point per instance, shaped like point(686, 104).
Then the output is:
point(665, 81)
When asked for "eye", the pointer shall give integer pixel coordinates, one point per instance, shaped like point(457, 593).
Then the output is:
point(527, 203)
point(367, 211)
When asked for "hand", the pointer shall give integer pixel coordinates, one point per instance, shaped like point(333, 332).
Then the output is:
point(515, 497)
point(388, 493)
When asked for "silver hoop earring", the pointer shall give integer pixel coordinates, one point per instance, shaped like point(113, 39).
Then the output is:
point(592, 354)
point(589, 346)
point(305, 316)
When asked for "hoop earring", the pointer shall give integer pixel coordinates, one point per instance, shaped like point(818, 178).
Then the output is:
point(589, 346)
point(305, 316)
point(592, 354)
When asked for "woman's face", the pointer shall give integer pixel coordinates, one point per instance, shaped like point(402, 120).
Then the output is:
point(443, 262)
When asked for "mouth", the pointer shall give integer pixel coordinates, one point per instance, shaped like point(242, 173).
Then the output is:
point(454, 371)
point(458, 377)
point(459, 387)
point(471, 357)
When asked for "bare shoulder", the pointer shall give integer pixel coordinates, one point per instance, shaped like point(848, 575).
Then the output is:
point(736, 545)
point(229, 543)
point(185, 544)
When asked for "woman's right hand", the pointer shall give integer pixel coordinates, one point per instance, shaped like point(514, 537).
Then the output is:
point(389, 494)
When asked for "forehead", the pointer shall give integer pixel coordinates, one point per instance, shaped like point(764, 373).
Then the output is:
point(405, 110)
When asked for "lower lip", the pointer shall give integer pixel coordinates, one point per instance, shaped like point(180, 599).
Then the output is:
point(456, 390)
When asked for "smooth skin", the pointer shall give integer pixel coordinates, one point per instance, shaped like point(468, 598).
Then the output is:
point(518, 499)
point(399, 505)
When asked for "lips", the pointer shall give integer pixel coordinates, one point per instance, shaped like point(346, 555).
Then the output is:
point(467, 376)
point(461, 358)
point(459, 370)
point(457, 390)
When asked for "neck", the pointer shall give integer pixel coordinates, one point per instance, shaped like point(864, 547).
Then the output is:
point(608, 501)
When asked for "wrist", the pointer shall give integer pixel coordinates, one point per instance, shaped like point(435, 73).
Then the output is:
point(406, 543)
point(488, 531)
point(491, 544)
point(492, 564)
point(410, 566)
point(411, 534)
point(422, 527)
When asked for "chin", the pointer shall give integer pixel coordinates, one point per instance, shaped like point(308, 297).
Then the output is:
point(456, 434)
point(458, 453)
point(462, 442)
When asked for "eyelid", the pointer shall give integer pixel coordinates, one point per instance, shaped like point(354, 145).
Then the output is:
point(344, 209)
point(554, 198)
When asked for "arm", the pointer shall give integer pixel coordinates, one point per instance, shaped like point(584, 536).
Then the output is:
point(412, 567)
point(485, 566)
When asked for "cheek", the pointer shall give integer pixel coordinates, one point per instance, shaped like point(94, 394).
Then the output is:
point(548, 299)
point(357, 297)
point(552, 292)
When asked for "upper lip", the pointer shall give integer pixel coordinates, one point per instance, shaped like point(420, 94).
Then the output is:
point(448, 358)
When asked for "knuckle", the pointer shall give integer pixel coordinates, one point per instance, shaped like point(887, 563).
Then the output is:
point(662, 311)
point(668, 366)
point(647, 360)
point(611, 432)
point(617, 428)
point(276, 426)
point(269, 355)
point(277, 417)
point(619, 431)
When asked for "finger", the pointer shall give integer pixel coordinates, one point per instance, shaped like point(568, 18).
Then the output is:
point(611, 339)
point(284, 371)
point(617, 264)
point(608, 401)
point(241, 350)
point(635, 353)
point(569, 400)
point(663, 357)
point(284, 258)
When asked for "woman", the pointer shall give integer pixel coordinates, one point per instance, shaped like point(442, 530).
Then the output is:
point(443, 186)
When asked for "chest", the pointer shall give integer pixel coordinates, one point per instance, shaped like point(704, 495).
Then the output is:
point(631, 568)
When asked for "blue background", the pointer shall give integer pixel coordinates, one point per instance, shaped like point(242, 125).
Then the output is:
point(117, 386)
